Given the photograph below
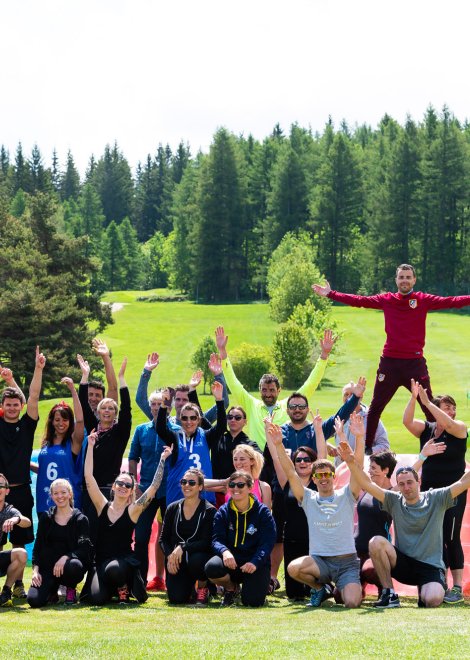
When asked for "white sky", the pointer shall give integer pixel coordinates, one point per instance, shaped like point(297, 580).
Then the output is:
point(82, 73)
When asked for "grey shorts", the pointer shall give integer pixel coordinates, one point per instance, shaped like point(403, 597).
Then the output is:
point(341, 569)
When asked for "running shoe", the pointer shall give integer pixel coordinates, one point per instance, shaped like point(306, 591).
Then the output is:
point(71, 596)
point(18, 589)
point(229, 598)
point(387, 600)
point(317, 596)
point(202, 597)
point(453, 596)
point(5, 597)
point(156, 584)
point(123, 595)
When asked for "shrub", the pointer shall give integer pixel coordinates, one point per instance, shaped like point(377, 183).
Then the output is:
point(292, 354)
point(250, 362)
point(201, 356)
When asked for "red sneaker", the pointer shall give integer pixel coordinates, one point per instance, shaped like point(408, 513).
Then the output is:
point(202, 597)
point(156, 584)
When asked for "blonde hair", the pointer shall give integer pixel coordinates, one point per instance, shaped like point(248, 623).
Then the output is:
point(255, 456)
point(108, 400)
point(62, 483)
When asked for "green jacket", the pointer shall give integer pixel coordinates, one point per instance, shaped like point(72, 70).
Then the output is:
point(255, 409)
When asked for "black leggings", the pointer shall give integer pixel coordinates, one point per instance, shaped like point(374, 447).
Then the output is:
point(72, 575)
point(180, 586)
point(453, 553)
point(112, 574)
point(254, 585)
point(294, 550)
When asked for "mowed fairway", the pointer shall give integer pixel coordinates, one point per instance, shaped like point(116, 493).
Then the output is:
point(280, 630)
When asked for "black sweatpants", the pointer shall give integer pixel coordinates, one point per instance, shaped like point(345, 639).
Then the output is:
point(180, 585)
point(254, 585)
point(72, 575)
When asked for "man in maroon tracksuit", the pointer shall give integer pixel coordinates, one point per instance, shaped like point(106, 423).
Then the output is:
point(405, 326)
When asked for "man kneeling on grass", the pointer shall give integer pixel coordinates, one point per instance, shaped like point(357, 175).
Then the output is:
point(416, 557)
point(330, 517)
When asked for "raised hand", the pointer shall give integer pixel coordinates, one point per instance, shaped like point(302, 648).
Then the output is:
point(327, 343)
point(317, 420)
point(221, 340)
point(195, 379)
point(100, 347)
point(356, 425)
point(84, 366)
point(339, 427)
point(122, 370)
point(40, 359)
point(215, 364)
point(423, 396)
point(217, 390)
point(153, 360)
point(359, 387)
point(275, 433)
point(167, 398)
point(414, 388)
point(92, 438)
point(322, 290)
point(6, 374)
point(166, 452)
point(68, 382)
point(345, 452)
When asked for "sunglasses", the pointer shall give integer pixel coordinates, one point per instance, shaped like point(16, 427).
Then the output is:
point(237, 484)
point(188, 482)
point(186, 418)
point(323, 475)
point(297, 406)
point(4, 486)
point(123, 484)
point(237, 417)
point(303, 459)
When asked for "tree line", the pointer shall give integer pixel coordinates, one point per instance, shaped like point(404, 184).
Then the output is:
point(208, 224)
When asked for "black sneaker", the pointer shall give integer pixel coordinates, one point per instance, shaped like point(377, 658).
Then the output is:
point(5, 597)
point(387, 599)
point(18, 589)
point(229, 598)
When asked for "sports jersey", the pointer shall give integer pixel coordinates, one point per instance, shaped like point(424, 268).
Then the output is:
point(58, 462)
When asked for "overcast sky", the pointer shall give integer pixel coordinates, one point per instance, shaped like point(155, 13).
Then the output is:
point(77, 74)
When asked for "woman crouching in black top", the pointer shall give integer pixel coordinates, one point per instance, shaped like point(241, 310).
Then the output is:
point(186, 541)
point(117, 568)
point(62, 551)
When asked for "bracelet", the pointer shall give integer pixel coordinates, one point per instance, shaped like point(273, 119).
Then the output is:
point(421, 457)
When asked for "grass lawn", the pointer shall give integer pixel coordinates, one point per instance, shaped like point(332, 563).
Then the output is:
point(281, 629)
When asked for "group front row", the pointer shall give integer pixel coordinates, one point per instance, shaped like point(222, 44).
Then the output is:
point(206, 548)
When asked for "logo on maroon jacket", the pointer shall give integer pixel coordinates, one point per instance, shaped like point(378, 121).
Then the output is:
point(413, 303)
point(380, 377)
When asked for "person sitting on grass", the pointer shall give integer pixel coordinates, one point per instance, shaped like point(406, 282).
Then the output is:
point(62, 550)
point(12, 562)
point(330, 516)
point(185, 539)
point(243, 538)
point(416, 557)
point(117, 567)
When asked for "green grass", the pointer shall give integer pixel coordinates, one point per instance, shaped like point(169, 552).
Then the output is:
point(175, 329)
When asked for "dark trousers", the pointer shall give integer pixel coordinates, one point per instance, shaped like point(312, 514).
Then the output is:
point(143, 531)
point(254, 585)
point(294, 550)
point(112, 574)
point(392, 374)
point(180, 585)
point(72, 575)
point(453, 552)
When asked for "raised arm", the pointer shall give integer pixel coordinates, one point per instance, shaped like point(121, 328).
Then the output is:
point(354, 486)
point(461, 485)
point(237, 390)
point(317, 373)
point(167, 435)
point(215, 366)
point(96, 496)
point(452, 426)
point(141, 396)
point(214, 433)
point(320, 436)
point(414, 426)
point(294, 481)
point(7, 375)
point(35, 387)
point(322, 290)
point(139, 506)
point(280, 474)
point(356, 426)
point(101, 349)
point(79, 429)
point(362, 479)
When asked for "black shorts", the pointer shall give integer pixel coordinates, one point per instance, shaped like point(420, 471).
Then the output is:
point(412, 571)
point(5, 561)
point(22, 499)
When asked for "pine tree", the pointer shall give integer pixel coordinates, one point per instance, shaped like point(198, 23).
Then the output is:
point(40, 178)
point(113, 256)
point(146, 200)
point(22, 180)
point(180, 161)
point(70, 181)
point(113, 182)
point(55, 172)
point(132, 260)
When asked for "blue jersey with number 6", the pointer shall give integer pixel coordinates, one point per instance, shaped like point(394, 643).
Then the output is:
point(58, 462)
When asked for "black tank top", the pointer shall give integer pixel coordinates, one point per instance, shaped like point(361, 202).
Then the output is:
point(114, 538)
point(442, 469)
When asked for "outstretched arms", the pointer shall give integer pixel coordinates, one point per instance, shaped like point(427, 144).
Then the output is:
point(35, 387)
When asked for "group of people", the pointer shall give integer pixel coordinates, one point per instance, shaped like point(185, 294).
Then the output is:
point(240, 487)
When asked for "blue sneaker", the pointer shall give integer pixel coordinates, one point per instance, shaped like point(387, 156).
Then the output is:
point(317, 596)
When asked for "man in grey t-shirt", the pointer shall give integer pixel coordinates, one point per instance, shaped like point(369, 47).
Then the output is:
point(416, 557)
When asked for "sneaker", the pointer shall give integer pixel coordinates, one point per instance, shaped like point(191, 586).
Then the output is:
point(61, 593)
point(202, 597)
point(123, 595)
point(5, 598)
point(18, 590)
point(453, 596)
point(70, 596)
point(317, 596)
point(156, 584)
point(387, 599)
point(229, 598)
point(273, 586)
